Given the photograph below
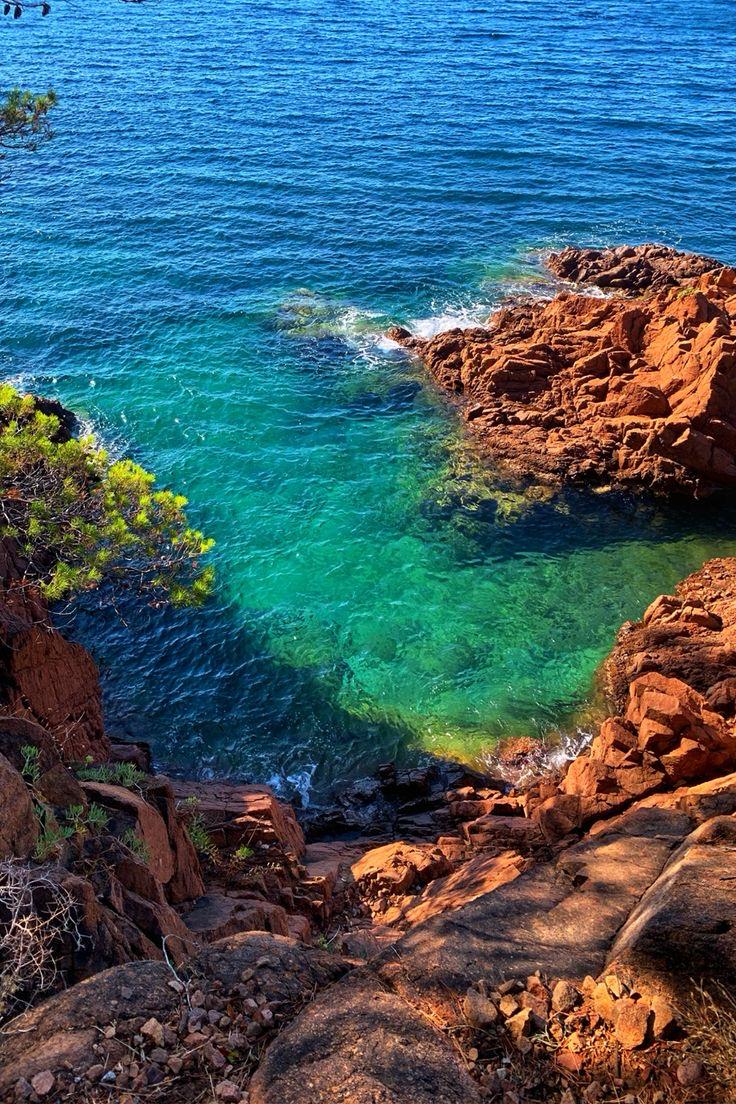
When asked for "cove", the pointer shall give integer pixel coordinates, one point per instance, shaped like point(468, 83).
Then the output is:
point(205, 274)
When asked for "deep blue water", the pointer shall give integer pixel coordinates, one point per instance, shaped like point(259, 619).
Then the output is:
point(237, 201)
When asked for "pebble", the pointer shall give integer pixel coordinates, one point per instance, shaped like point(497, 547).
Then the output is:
point(154, 1030)
point(228, 1092)
point(43, 1083)
point(478, 1010)
point(175, 1064)
point(688, 1074)
point(564, 997)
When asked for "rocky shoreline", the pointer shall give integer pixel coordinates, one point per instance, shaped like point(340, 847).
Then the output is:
point(634, 389)
point(438, 934)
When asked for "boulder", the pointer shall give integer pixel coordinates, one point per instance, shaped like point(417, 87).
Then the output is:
point(356, 1043)
point(19, 828)
point(683, 926)
point(216, 915)
point(398, 867)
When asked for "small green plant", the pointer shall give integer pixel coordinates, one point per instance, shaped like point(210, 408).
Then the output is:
point(51, 836)
point(243, 853)
point(116, 774)
point(134, 843)
point(96, 819)
point(198, 834)
point(200, 837)
point(31, 768)
point(81, 821)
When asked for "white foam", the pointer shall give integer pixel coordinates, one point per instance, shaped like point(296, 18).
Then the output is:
point(451, 318)
point(547, 758)
point(300, 781)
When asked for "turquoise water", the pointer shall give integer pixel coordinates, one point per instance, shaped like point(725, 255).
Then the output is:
point(236, 203)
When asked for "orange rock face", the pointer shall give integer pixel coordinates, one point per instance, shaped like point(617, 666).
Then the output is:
point(626, 390)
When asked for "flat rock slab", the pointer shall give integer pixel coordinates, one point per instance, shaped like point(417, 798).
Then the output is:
point(683, 927)
point(561, 920)
point(359, 1044)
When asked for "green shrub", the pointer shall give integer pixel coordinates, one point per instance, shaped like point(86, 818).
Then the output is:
point(198, 834)
point(243, 853)
point(51, 836)
point(134, 843)
point(116, 774)
point(80, 517)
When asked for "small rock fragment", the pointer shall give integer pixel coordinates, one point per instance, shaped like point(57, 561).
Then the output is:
point(154, 1030)
point(519, 1025)
point(603, 1003)
point(479, 1011)
point(632, 1022)
point(615, 987)
point(665, 1017)
point(228, 1092)
point(43, 1083)
point(508, 1006)
point(688, 1074)
point(564, 997)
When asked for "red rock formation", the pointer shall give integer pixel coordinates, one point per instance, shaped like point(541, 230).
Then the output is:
point(634, 391)
point(628, 268)
point(43, 676)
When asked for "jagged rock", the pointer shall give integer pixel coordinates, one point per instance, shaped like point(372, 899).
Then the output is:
point(186, 881)
point(472, 879)
point(134, 811)
point(669, 640)
point(244, 814)
point(609, 391)
point(630, 268)
point(397, 867)
point(44, 677)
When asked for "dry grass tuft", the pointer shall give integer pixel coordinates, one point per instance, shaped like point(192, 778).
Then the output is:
point(712, 1034)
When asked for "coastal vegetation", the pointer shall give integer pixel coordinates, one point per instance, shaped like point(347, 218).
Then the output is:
point(81, 518)
point(24, 119)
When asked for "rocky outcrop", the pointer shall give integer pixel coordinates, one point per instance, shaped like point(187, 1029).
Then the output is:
point(630, 269)
point(137, 1027)
point(636, 391)
point(688, 635)
point(43, 676)
point(18, 823)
